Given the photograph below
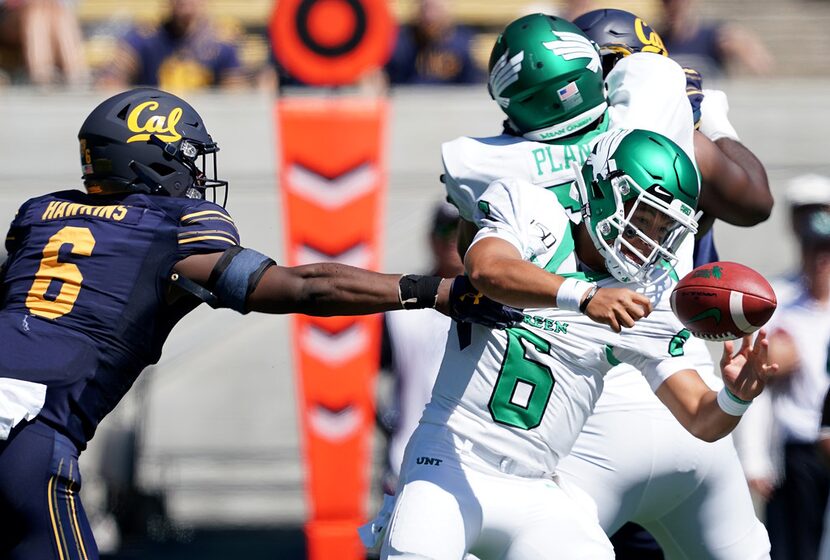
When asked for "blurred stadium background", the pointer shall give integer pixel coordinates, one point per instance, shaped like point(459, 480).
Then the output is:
point(203, 455)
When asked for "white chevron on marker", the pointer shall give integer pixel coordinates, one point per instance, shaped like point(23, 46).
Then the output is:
point(359, 255)
point(332, 193)
point(334, 348)
point(334, 425)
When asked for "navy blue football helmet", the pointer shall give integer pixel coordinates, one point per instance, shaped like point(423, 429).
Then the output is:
point(150, 141)
point(618, 34)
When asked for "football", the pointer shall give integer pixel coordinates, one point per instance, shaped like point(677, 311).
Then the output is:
point(723, 301)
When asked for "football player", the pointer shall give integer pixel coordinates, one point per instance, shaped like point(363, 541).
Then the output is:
point(479, 472)
point(645, 90)
point(690, 497)
point(95, 281)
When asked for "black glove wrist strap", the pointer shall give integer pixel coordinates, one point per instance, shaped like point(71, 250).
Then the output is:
point(418, 292)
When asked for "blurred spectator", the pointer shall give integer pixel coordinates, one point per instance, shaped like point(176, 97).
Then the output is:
point(413, 346)
point(44, 38)
point(433, 49)
point(824, 454)
point(710, 48)
point(799, 340)
point(185, 51)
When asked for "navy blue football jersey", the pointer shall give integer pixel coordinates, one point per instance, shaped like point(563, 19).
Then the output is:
point(86, 282)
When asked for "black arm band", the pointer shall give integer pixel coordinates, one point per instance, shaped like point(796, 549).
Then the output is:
point(418, 292)
point(584, 305)
point(221, 265)
point(236, 274)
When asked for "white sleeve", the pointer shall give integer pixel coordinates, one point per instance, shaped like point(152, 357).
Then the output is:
point(528, 217)
point(754, 439)
point(469, 166)
point(648, 91)
point(655, 346)
point(460, 192)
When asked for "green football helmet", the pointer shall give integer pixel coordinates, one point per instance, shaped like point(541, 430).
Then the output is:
point(639, 191)
point(547, 77)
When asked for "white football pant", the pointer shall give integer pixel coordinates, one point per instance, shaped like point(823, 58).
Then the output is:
point(454, 498)
point(643, 466)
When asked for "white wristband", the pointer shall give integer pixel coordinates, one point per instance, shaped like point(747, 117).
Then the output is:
point(714, 122)
point(571, 292)
point(731, 404)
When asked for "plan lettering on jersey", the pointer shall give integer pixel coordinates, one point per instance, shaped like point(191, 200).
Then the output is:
point(552, 160)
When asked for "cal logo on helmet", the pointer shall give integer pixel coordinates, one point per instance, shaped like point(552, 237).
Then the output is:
point(142, 120)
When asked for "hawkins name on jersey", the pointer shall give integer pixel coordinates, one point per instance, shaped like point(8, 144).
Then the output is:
point(526, 392)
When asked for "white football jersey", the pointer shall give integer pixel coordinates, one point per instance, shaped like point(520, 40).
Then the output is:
point(526, 392)
point(645, 90)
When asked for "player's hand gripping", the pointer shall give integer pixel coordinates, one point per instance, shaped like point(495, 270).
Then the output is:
point(468, 305)
point(618, 307)
point(746, 373)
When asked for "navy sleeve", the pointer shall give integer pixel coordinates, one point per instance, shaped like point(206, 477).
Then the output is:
point(205, 227)
point(17, 230)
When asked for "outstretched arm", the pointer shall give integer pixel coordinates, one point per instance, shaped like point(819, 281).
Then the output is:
point(321, 289)
point(707, 414)
point(325, 289)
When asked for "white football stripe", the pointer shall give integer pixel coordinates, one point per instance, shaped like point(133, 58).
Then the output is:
point(736, 309)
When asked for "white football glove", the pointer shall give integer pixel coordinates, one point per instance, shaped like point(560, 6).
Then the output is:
point(714, 122)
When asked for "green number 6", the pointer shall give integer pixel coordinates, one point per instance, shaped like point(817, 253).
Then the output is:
point(524, 385)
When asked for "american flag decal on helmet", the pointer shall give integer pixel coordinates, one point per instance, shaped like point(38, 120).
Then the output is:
point(568, 91)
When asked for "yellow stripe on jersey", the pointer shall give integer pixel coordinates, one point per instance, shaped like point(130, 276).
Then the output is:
point(206, 215)
point(52, 516)
point(209, 232)
point(207, 238)
point(57, 528)
point(73, 517)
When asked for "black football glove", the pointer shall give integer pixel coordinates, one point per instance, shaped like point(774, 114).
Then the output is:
point(694, 91)
point(468, 305)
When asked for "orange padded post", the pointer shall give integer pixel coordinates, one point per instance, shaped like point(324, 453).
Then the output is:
point(333, 177)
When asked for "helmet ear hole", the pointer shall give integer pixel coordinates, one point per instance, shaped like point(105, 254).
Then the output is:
point(161, 169)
